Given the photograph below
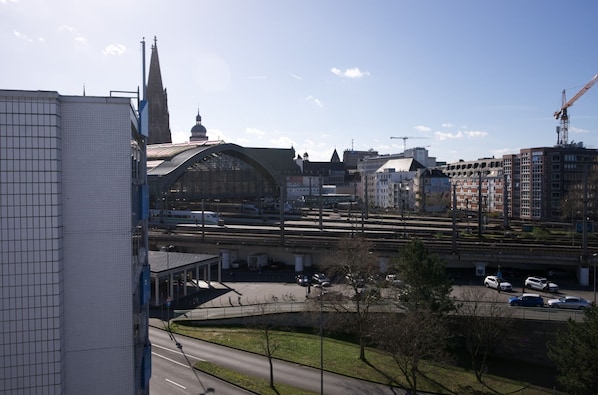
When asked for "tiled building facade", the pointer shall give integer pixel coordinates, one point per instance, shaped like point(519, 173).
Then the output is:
point(74, 312)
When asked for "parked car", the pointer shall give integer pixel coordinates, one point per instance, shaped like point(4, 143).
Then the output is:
point(527, 300)
point(302, 279)
point(569, 302)
point(541, 284)
point(320, 279)
point(496, 282)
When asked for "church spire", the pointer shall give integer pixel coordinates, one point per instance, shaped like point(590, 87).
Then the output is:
point(159, 118)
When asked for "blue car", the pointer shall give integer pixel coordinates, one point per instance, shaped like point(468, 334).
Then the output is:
point(527, 300)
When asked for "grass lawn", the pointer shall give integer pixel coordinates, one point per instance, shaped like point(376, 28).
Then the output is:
point(343, 357)
point(255, 384)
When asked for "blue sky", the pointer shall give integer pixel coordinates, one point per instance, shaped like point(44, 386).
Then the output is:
point(468, 78)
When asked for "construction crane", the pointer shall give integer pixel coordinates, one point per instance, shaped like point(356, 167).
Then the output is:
point(562, 131)
point(408, 137)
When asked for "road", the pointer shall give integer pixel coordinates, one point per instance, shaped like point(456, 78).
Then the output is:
point(171, 373)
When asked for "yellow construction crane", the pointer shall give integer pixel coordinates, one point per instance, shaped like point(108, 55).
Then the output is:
point(408, 137)
point(562, 131)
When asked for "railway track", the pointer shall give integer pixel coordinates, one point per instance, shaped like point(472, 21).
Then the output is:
point(387, 234)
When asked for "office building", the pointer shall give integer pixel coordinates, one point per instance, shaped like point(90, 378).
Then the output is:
point(73, 236)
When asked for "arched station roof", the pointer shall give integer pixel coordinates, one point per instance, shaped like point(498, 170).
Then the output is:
point(167, 163)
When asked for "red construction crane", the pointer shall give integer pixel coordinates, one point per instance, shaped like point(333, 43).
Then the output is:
point(408, 137)
point(562, 131)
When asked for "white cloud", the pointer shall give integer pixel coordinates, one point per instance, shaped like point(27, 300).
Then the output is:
point(114, 49)
point(78, 37)
point(476, 133)
point(349, 73)
point(66, 28)
point(22, 36)
point(459, 134)
point(255, 131)
point(8, 1)
point(295, 76)
point(314, 101)
point(573, 129)
point(448, 125)
point(282, 142)
point(448, 135)
point(421, 128)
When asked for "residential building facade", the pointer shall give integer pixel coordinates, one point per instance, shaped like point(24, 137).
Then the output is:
point(548, 183)
point(536, 184)
point(478, 185)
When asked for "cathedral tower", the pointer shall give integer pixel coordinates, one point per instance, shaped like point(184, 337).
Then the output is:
point(159, 119)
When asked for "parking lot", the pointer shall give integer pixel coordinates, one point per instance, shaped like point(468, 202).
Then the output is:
point(247, 287)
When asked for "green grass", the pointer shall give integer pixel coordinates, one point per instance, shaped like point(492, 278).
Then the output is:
point(343, 357)
point(255, 384)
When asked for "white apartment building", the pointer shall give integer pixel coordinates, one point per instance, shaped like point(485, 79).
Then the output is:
point(388, 183)
point(73, 234)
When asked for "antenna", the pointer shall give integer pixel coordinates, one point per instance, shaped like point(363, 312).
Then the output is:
point(143, 84)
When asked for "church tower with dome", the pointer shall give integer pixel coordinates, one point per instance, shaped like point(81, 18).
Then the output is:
point(198, 132)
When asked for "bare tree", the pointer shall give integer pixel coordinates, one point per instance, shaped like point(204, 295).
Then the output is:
point(411, 338)
point(355, 263)
point(485, 325)
point(265, 321)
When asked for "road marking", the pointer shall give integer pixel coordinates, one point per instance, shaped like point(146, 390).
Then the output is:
point(170, 360)
point(177, 384)
point(177, 351)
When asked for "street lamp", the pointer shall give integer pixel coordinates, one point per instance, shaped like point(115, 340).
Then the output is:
point(321, 340)
point(595, 256)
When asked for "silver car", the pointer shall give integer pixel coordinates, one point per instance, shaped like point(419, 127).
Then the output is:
point(569, 302)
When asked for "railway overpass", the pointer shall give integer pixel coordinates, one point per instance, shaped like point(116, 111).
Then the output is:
point(312, 238)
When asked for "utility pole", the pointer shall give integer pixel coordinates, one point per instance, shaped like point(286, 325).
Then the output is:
point(584, 220)
point(454, 218)
point(480, 204)
point(505, 199)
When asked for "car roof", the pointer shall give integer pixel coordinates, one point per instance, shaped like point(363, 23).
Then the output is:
point(531, 295)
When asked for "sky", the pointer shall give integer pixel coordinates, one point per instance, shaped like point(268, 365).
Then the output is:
point(466, 79)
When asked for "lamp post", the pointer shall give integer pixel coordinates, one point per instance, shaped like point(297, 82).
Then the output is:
point(595, 256)
point(321, 340)
point(467, 213)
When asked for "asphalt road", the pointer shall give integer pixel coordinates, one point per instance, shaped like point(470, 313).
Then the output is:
point(171, 373)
